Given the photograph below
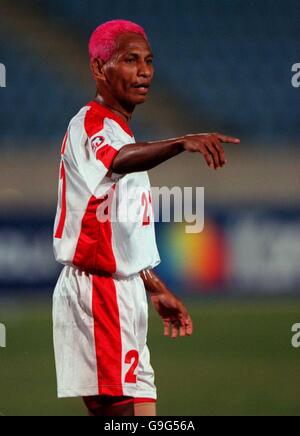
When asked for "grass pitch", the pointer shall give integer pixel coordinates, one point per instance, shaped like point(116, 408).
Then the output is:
point(239, 362)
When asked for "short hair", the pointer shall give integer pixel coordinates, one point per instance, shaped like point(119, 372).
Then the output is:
point(103, 42)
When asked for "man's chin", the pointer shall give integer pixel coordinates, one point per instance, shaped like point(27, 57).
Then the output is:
point(140, 99)
point(134, 101)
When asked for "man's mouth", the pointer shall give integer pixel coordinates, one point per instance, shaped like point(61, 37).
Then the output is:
point(143, 88)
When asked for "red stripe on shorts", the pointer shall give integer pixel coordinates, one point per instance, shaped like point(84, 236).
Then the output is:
point(107, 331)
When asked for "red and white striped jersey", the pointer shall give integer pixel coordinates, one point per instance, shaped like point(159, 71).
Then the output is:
point(124, 244)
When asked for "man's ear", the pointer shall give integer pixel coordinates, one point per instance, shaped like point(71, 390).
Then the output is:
point(97, 69)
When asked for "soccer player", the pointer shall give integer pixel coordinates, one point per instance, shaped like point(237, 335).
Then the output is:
point(100, 304)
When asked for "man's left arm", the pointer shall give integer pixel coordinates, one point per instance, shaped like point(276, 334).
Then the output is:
point(170, 308)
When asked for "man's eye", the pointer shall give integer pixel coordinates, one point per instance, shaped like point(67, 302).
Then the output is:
point(129, 61)
point(150, 61)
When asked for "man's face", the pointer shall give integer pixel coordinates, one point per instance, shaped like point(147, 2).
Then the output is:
point(130, 71)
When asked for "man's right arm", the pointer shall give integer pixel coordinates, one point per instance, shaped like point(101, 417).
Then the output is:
point(145, 156)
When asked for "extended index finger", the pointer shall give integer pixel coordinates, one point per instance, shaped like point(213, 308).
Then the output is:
point(228, 139)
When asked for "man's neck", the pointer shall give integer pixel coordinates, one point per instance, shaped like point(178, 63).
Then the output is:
point(116, 107)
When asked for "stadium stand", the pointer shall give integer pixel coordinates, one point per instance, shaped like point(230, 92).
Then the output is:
point(36, 102)
point(254, 42)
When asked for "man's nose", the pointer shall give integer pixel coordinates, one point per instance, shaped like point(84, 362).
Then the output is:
point(145, 70)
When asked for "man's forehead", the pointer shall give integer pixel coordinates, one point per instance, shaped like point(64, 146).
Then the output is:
point(132, 42)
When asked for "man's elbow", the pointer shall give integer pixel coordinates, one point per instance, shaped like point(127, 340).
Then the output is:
point(117, 165)
point(124, 161)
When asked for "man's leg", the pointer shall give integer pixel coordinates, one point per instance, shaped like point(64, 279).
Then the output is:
point(145, 396)
point(109, 406)
point(144, 407)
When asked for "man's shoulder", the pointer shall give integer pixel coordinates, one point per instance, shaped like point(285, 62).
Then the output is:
point(93, 118)
point(88, 120)
point(79, 117)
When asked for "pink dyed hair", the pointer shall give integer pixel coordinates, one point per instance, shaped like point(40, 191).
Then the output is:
point(103, 41)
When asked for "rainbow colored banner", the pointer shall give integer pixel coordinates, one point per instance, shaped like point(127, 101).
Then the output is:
point(245, 250)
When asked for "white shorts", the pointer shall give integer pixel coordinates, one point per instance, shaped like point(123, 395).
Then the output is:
point(100, 333)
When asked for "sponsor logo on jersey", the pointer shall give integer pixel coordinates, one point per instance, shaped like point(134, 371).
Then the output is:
point(97, 142)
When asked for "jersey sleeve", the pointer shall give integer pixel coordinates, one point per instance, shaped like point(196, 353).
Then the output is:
point(103, 140)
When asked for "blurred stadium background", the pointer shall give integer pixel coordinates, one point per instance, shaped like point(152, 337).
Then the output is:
point(221, 65)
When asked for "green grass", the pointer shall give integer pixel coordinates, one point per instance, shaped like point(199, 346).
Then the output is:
point(239, 362)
